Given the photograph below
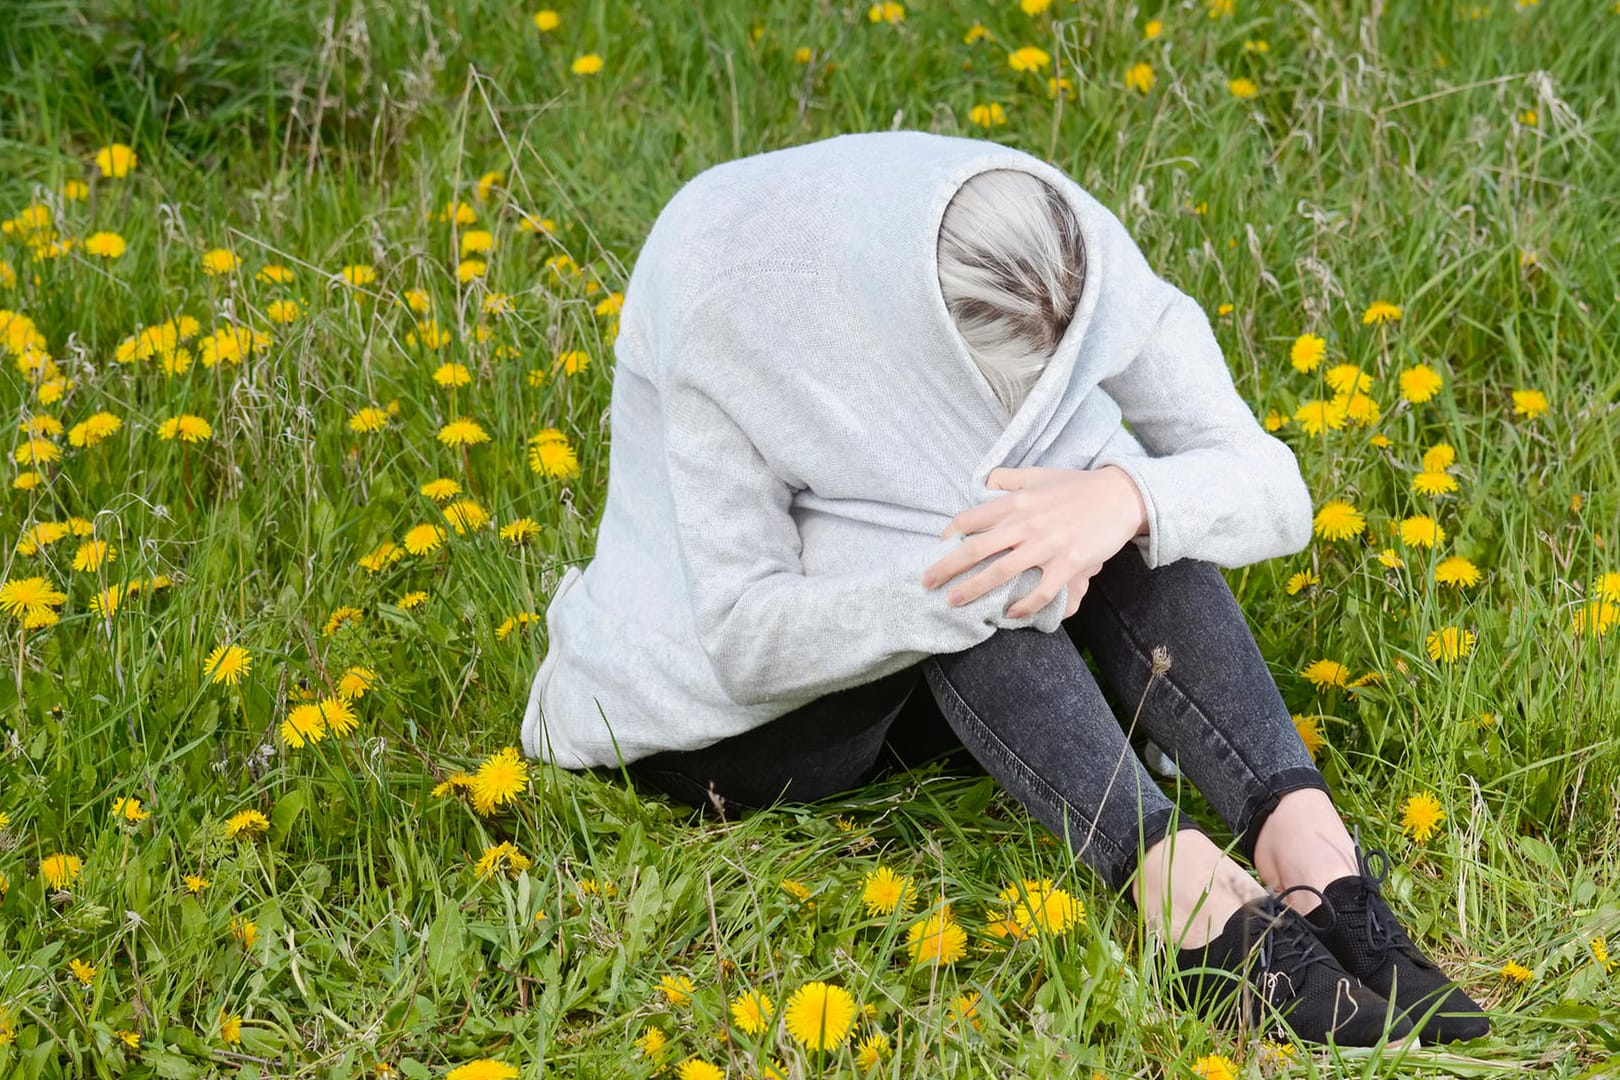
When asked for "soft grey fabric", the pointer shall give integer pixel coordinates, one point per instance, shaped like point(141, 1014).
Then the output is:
point(795, 420)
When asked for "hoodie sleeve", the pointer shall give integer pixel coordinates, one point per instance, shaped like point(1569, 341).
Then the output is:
point(770, 631)
point(1216, 485)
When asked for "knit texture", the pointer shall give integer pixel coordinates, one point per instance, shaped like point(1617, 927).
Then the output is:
point(795, 420)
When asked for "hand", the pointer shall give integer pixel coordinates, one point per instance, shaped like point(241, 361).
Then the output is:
point(1068, 522)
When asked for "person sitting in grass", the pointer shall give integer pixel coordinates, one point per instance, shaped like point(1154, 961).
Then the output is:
point(902, 423)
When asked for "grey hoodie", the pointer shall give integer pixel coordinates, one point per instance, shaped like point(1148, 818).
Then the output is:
point(795, 419)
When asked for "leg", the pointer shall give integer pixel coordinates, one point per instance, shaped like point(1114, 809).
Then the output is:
point(1216, 710)
point(1028, 709)
point(827, 746)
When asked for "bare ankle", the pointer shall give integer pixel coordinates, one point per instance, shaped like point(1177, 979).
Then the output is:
point(1187, 889)
point(1303, 842)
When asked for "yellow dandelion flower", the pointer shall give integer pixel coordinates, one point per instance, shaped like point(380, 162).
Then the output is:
point(990, 115)
point(84, 972)
point(883, 891)
point(1221, 9)
point(547, 20)
point(283, 312)
point(1421, 816)
point(1433, 483)
point(1380, 312)
point(106, 245)
point(520, 531)
point(412, 600)
point(1034, 7)
point(462, 432)
point(936, 939)
point(186, 428)
point(1325, 673)
point(30, 597)
point(380, 556)
point(502, 858)
point(1529, 403)
point(1421, 530)
point(886, 12)
point(1600, 955)
point(1516, 972)
point(1390, 559)
point(752, 1011)
point(1307, 352)
point(441, 489)
point(1029, 58)
point(1215, 1067)
point(1310, 733)
point(1338, 520)
point(695, 1068)
point(820, 1016)
point(245, 932)
point(358, 275)
point(500, 779)
point(1314, 416)
point(1449, 643)
point(1243, 87)
point(977, 32)
point(274, 274)
point(588, 64)
point(1419, 383)
point(1036, 906)
point(220, 261)
point(230, 1028)
point(341, 615)
point(94, 429)
point(337, 714)
point(368, 420)
point(60, 870)
point(304, 724)
point(246, 825)
point(677, 989)
point(227, 664)
point(651, 1042)
point(1140, 77)
point(551, 455)
point(471, 270)
point(36, 452)
point(355, 682)
point(131, 1039)
point(422, 539)
point(872, 1050)
point(92, 555)
point(1300, 581)
point(1595, 615)
point(1347, 379)
point(195, 883)
point(465, 516)
point(1457, 572)
point(116, 161)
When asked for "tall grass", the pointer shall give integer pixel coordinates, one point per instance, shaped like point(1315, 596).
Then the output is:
point(1458, 161)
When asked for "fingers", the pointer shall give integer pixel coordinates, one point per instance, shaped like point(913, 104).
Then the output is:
point(1038, 597)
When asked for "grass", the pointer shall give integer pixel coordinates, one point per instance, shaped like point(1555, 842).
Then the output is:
point(1458, 161)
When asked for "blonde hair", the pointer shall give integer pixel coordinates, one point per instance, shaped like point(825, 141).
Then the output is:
point(1011, 267)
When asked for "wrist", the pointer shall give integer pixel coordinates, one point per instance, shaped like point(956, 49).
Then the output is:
point(1130, 499)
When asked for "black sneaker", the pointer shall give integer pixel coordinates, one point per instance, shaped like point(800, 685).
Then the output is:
point(1268, 963)
point(1365, 936)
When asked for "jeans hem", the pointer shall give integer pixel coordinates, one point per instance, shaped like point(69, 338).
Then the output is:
point(1260, 804)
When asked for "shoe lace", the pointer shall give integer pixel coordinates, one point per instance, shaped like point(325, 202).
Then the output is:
point(1381, 933)
point(1285, 947)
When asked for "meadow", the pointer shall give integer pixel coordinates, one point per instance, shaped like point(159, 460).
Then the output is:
point(306, 324)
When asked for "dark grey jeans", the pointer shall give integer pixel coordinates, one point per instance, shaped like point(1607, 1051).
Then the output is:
point(1023, 706)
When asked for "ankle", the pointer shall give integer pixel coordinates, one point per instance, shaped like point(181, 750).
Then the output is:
point(1304, 842)
point(1188, 889)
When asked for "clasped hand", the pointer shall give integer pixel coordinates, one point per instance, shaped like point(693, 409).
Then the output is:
point(1068, 522)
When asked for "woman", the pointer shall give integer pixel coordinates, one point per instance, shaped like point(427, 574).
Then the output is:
point(869, 458)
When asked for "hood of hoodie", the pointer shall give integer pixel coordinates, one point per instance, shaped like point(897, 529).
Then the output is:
point(853, 223)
